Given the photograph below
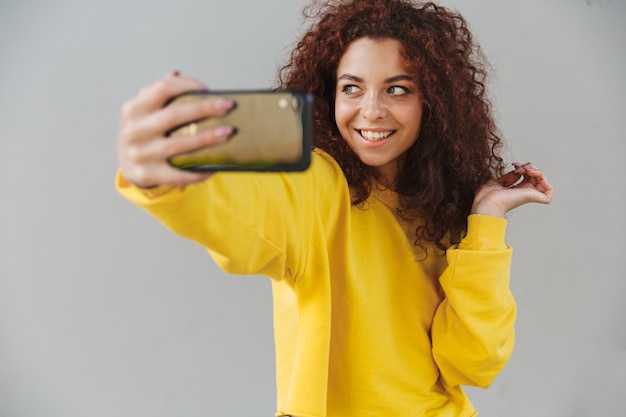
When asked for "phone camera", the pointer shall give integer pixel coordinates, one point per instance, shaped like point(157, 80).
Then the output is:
point(296, 104)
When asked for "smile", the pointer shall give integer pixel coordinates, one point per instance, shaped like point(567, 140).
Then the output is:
point(375, 136)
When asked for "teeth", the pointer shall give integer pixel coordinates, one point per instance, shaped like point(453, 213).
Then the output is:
point(369, 135)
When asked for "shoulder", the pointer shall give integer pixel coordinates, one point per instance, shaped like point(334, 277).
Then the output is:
point(326, 174)
point(323, 162)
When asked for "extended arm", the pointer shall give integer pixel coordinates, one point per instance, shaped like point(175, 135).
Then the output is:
point(242, 219)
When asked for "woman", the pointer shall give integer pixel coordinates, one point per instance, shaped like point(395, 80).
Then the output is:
point(389, 270)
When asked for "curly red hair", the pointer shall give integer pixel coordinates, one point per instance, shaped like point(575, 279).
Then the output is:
point(457, 149)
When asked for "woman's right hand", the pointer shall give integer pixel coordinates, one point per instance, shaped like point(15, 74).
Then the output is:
point(143, 148)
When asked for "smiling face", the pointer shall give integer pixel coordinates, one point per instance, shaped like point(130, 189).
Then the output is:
point(377, 104)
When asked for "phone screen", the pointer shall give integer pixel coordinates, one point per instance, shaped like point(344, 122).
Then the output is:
point(273, 132)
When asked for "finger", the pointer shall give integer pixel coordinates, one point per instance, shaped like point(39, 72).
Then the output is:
point(540, 196)
point(157, 151)
point(533, 176)
point(177, 145)
point(548, 190)
point(153, 96)
point(157, 124)
point(529, 171)
point(170, 117)
point(536, 182)
point(509, 179)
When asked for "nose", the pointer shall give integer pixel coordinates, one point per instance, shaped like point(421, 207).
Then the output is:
point(373, 107)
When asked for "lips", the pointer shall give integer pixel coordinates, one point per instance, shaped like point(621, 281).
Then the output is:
point(375, 136)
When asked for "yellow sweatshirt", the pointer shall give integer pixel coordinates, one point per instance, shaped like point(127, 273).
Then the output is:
point(364, 327)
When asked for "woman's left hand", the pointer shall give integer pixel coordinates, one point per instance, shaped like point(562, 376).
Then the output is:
point(525, 184)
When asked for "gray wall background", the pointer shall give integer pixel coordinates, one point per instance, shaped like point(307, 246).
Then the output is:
point(105, 313)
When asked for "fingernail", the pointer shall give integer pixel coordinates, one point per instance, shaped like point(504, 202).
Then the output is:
point(204, 87)
point(224, 131)
point(224, 104)
point(518, 167)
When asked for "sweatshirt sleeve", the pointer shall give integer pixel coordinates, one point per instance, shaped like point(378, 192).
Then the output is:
point(250, 223)
point(473, 328)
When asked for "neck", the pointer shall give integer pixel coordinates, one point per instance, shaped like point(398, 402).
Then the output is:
point(388, 175)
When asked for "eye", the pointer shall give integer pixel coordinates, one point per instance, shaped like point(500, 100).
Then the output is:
point(350, 89)
point(398, 90)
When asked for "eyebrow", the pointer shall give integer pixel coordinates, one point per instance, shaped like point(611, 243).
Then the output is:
point(390, 80)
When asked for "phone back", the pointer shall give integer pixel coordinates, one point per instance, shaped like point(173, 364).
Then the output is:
point(273, 133)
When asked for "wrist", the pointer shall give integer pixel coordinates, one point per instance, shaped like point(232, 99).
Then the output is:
point(484, 232)
point(493, 210)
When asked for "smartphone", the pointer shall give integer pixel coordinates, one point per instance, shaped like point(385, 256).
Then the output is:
point(273, 132)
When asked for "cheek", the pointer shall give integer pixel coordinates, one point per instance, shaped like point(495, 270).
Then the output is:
point(342, 115)
point(412, 118)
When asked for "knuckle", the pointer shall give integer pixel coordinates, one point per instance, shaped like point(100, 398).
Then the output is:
point(140, 173)
point(145, 91)
point(143, 176)
point(163, 89)
point(127, 133)
point(127, 110)
point(134, 155)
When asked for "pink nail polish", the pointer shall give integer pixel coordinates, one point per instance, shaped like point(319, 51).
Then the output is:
point(223, 131)
point(224, 104)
